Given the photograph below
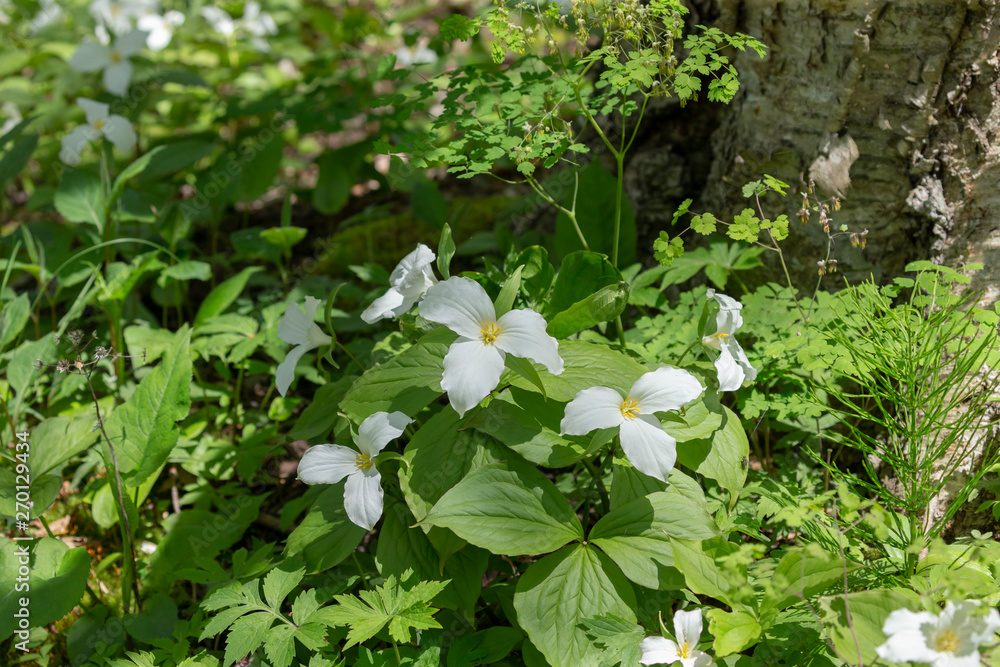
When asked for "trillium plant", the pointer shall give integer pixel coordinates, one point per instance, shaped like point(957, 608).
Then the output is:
point(112, 61)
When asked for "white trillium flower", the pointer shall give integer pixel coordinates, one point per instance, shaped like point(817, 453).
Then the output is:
point(160, 28)
point(408, 282)
point(732, 364)
point(951, 639)
point(475, 361)
point(220, 21)
point(10, 118)
point(648, 447)
point(408, 56)
point(258, 23)
point(116, 129)
point(117, 15)
point(298, 328)
point(113, 60)
point(663, 651)
point(328, 464)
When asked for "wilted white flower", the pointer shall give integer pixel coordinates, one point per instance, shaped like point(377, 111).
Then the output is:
point(328, 464)
point(408, 282)
point(113, 60)
point(475, 361)
point(298, 327)
point(950, 639)
point(160, 28)
point(116, 129)
point(663, 651)
point(646, 445)
point(732, 363)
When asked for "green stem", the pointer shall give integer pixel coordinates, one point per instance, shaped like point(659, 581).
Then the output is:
point(688, 349)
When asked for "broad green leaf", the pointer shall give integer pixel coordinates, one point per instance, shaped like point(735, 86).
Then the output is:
point(57, 576)
point(509, 508)
point(428, 204)
point(508, 293)
point(604, 305)
point(587, 365)
point(320, 416)
point(135, 168)
point(246, 635)
point(595, 213)
point(719, 456)
point(170, 158)
point(13, 318)
point(700, 563)
point(537, 274)
point(43, 492)
point(868, 611)
point(58, 439)
point(556, 594)
point(144, 429)
point(279, 582)
point(581, 274)
point(407, 383)
point(13, 160)
point(637, 536)
point(485, 647)
point(734, 631)
point(260, 168)
point(802, 574)
point(326, 536)
point(619, 638)
point(79, 198)
point(223, 295)
point(526, 370)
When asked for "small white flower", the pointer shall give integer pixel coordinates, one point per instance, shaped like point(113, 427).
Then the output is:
point(298, 328)
point(117, 15)
point(258, 23)
point(662, 651)
point(408, 282)
point(48, 13)
point(11, 117)
point(951, 639)
point(160, 28)
point(328, 464)
point(220, 21)
point(475, 361)
point(116, 129)
point(648, 447)
point(113, 60)
point(732, 364)
point(418, 54)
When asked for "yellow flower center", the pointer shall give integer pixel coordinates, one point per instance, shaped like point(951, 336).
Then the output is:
point(116, 57)
point(363, 462)
point(630, 408)
point(946, 641)
point(722, 335)
point(98, 124)
point(685, 650)
point(490, 333)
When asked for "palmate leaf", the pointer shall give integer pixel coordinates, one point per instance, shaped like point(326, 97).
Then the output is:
point(618, 637)
point(400, 606)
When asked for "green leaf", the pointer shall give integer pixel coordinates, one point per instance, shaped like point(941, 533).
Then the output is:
point(58, 439)
point(13, 160)
point(586, 365)
point(703, 224)
point(446, 250)
point(280, 645)
point(801, 574)
point(505, 301)
point(326, 536)
point(666, 249)
point(320, 415)
point(407, 383)
point(260, 168)
point(868, 610)
point(556, 594)
point(734, 631)
point(428, 204)
point(581, 274)
point(223, 295)
point(459, 27)
point(508, 508)
point(279, 582)
point(637, 535)
point(619, 638)
point(595, 214)
point(537, 274)
point(57, 576)
point(333, 187)
point(701, 564)
point(526, 370)
point(13, 319)
point(604, 305)
point(485, 647)
point(143, 429)
point(246, 635)
point(719, 455)
point(43, 492)
point(134, 168)
point(171, 158)
point(79, 198)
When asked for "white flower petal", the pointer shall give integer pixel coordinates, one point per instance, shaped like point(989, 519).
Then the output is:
point(648, 447)
point(687, 627)
point(219, 20)
point(327, 464)
point(461, 304)
point(297, 326)
point(665, 389)
point(130, 43)
point(379, 429)
point(907, 642)
point(413, 264)
point(522, 334)
point(728, 319)
point(94, 111)
point(160, 28)
point(591, 409)
point(363, 498)
point(658, 651)
point(119, 132)
point(74, 143)
point(731, 374)
point(471, 371)
point(90, 57)
point(285, 373)
point(384, 306)
point(117, 77)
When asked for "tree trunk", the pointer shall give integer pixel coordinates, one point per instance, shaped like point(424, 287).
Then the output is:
point(914, 86)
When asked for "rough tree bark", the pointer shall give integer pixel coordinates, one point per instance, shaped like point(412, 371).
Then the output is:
point(914, 85)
